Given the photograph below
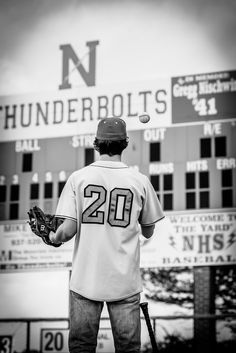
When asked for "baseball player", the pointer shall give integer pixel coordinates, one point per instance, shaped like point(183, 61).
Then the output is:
point(106, 205)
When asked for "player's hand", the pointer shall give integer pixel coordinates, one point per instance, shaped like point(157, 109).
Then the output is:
point(42, 224)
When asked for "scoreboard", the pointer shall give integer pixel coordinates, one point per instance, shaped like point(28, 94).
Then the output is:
point(190, 167)
point(188, 149)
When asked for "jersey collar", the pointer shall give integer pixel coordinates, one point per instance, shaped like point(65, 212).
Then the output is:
point(109, 164)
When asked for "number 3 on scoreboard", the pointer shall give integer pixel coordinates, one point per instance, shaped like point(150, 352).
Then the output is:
point(5, 344)
point(119, 210)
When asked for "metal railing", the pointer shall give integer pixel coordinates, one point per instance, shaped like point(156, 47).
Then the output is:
point(154, 321)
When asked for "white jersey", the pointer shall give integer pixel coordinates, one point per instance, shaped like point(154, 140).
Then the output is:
point(109, 201)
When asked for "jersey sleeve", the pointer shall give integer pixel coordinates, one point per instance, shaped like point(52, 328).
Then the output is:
point(151, 211)
point(66, 207)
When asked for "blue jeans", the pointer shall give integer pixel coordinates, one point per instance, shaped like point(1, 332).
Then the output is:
point(85, 316)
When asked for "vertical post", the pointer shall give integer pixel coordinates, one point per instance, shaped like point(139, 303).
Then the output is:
point(28, 336)
point(204, 303)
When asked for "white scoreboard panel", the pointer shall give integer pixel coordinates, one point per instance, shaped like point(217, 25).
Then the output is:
point(187, 149)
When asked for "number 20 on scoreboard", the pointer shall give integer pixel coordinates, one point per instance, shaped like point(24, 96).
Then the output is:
point(54, 340)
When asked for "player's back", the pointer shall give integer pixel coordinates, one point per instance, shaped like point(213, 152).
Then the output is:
point(110, 201)
point(113, 195)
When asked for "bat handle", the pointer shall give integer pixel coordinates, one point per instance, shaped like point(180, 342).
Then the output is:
point(144, 307)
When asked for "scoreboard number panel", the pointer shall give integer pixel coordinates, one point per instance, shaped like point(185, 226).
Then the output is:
point(48, 177)
point(62, 175)
point(2, 180)
point(6, 344)
point(54, 340)
point(35, 178)
point(15, 179)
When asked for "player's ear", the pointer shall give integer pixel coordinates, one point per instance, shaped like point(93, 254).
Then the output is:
point(95, 146)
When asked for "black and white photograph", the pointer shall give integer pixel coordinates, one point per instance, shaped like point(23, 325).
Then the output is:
point(117, 176)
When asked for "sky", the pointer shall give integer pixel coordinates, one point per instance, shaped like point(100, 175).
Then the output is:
point(137, 39)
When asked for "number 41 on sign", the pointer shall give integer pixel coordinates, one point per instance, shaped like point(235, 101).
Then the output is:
point(205, 106)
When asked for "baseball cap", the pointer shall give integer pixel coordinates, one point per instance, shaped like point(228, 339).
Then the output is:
point(112, 129)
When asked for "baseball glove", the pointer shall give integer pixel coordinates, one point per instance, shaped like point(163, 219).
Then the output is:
point(42, 224)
